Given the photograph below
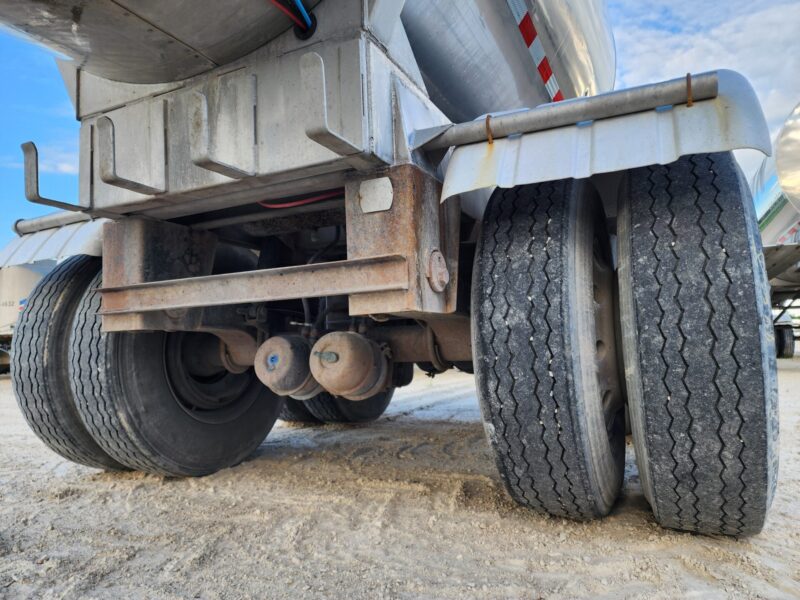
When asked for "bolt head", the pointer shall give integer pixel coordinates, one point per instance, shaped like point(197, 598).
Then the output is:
point(438, 273)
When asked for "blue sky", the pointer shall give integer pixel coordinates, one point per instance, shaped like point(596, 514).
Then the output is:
point(656, 40)
point(33, 106)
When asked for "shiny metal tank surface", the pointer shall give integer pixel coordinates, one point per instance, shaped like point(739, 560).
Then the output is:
point(471, 52)
point(475, 61)
point(147, 41)
point(776, 215)
point(787, 157)
point(776, 187)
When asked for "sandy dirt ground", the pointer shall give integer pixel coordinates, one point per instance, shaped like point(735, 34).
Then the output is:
point(409, 507)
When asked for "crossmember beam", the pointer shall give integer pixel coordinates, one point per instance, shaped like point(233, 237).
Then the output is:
point(376, 274)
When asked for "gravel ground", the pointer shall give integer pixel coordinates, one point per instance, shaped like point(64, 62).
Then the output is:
point(409, 507)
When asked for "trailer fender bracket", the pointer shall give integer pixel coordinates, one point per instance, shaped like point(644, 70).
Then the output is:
point(731, 120)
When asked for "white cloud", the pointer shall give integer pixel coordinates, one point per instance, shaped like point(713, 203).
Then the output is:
point(759, 38)
point(61, 159)
point(58, 160)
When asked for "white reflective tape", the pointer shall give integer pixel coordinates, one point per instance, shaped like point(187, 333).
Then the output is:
point(552, 86)
point(518, 8)
point(537, 51)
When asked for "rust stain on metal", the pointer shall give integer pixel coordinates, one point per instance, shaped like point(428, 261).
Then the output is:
point(374, 274)
point(689, 96)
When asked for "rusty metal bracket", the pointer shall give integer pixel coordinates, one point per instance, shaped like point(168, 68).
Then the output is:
point(376, 274)
point(489, 132)
point(108, 161)
point(31, 154)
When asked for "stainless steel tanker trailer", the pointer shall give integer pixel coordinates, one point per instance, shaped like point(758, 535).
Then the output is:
point(776, 192)
point(30, 257)
point(306, 199)
point(16, 282)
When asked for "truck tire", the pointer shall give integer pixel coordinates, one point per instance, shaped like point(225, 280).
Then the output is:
point(295, 411)
point(698, 346)
point(544, 348)
point(333, 409)
point(138, 398)
point(784, 342)
point(40, 363)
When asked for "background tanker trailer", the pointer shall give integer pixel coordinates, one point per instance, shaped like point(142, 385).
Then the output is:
point(15, 285)
point(776, 191)
point(284, 184)
point(26, 260)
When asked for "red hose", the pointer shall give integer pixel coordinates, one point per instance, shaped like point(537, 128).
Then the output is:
point(289, 14)
point(304, 201)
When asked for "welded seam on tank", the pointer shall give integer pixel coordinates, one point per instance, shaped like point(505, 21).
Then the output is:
point(166, 33)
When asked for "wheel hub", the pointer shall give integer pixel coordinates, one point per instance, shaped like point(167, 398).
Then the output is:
point(605, 338)
point(197, 377)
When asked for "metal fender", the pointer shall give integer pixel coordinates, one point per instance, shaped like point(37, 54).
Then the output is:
point(605, 134)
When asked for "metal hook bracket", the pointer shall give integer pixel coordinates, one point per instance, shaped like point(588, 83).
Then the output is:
point(201, 142)
point(312, 68)
point(108, 161)
point(31, 154)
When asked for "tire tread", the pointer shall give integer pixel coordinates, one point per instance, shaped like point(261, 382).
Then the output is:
point(520, 314)
point(39, 364)
point(691, 256)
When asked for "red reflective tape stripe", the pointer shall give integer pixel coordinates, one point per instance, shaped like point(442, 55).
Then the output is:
point(527, 29)
point(530, 37)
point(544, 70)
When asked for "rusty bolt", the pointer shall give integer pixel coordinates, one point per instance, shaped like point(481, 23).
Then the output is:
point(438, 274)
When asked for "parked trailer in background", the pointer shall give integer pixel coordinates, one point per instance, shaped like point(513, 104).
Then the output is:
point(305, 199)
point(15, 285)
point(776, 192)
point(30, 257)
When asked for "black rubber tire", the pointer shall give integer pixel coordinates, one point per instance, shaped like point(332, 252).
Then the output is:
point(295, 411)
point(698, 346)
point(332, 409)
point(784, 342)
point(534, 346)
point(128, 401)
point(40, 363)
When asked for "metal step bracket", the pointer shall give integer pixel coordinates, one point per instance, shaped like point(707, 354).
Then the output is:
point(227, 105)
point(312, 69)
point(31, 154)
point(107, 158)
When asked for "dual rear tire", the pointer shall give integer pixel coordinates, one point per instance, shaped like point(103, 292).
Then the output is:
point(696, 337)
point(40, 364)
point(128, 400)
point(544, 359)
point(698, 340)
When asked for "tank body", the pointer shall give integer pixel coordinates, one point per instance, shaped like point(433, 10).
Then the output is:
point(472, 53)
point(776, 187)
point(147, 41)
point(475, 58)
point(776, 214)
point(16, 283)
